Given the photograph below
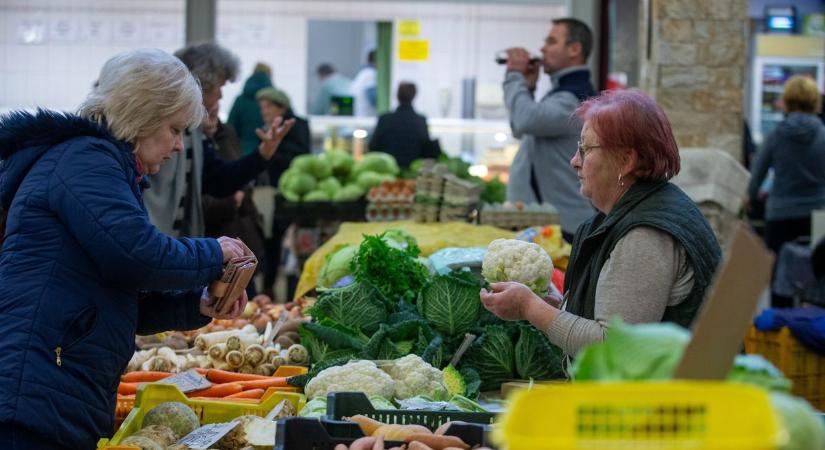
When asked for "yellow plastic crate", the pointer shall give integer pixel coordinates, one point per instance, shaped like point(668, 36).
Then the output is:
point(209, 411)
point(803, 367)
point(660, 416)
point(125, 403)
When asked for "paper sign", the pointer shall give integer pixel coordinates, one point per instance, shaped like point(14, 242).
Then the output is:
point(205, 436)
point(187, 381)
point(409, 28)
point(413, 50)
point(727, 313)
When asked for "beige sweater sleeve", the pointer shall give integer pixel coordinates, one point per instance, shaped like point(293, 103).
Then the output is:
point(646, 272)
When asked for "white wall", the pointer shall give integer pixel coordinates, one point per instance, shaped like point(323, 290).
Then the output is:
point(52, 50)
point(57, 68)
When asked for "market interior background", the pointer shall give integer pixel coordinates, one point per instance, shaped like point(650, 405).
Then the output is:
point(713, 65)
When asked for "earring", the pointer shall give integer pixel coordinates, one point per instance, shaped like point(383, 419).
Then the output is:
point(621, 183)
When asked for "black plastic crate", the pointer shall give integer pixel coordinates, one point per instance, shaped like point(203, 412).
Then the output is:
point(303, 433)
point(346, 404)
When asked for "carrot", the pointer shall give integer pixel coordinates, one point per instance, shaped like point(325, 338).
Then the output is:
point(225, 376)
point(218, 390)
point(201, 371)
point(252, 393)
point(263, 384)
point(144, 375)
point(128, 388)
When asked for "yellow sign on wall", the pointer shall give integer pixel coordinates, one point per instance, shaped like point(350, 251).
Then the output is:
point(411, 28)
point(413, 50)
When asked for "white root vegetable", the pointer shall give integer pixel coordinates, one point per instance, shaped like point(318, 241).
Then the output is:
point(249, 329)
point(297, 354)
point(254, 354)
point(278, 361)
point(139, 358)
point(218, 351)
point(246, 369)
point(159, 364)
point(265, 369)
point(234, 359)
point(207, 340)
point(242, 341)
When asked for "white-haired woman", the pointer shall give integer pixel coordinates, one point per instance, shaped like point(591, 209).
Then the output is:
point(82, 269)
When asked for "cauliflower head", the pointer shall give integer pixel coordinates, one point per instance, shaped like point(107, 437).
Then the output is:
point(413, 376)
point(356, 376)
point(521, 261)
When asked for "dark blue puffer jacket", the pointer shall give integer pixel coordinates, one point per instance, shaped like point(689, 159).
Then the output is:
point(81, 271)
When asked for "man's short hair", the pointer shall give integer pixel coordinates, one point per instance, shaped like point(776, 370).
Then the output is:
point(577, 31)
point(406, 92)
point(325, 69)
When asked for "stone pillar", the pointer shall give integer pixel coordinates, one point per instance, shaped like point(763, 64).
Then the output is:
point(695, 67)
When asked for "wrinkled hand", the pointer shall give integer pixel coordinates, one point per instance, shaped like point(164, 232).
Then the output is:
point(518, 60)
point(271, 138)
point(233, 248)
point(508, 300)
point(208, 309)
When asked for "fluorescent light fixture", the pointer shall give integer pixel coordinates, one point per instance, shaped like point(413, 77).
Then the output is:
point(500, 137)
point(359, 134)
point(478, 170)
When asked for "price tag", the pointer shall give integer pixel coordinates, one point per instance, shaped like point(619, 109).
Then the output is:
point(187, 381)
point(205, 436)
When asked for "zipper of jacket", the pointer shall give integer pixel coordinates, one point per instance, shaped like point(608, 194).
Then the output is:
point(57, 352)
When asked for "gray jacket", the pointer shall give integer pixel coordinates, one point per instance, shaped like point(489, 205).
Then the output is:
point(796, 151)
point(549, 133)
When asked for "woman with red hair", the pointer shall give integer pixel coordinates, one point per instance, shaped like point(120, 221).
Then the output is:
point(648, 255)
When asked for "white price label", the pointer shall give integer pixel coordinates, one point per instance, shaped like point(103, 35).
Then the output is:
point(187, 381)
point(205, 436)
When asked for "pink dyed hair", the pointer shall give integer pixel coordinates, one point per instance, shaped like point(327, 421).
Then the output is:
point(630, 119)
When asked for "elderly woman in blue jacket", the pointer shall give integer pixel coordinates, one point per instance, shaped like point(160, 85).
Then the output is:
point(82, 270)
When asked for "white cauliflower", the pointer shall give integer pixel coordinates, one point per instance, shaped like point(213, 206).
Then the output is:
point(521, 261)
point(357, 376)
point(413, 376)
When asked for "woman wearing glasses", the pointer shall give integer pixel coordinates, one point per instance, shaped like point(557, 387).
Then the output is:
point(648, 255)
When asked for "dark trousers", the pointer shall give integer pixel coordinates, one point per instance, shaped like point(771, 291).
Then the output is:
point(779, 232)
point(13, 437)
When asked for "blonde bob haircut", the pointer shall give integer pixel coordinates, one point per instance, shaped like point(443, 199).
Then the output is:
point(140, 89)
point(801, 95)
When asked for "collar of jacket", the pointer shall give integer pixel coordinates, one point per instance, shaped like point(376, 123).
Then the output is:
point(575, 80)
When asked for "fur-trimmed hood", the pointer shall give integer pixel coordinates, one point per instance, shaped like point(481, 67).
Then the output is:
point(24, 137)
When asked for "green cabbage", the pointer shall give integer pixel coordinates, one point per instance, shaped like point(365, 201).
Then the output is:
point(358, 305)
point(327, 341)
point(299, 183)
point(450, 304)
point(377, 162)
point(536, 357)
point(340, 162)
point(348, 193)
point(316, 407)
point(367, 180)
point(491, 356)
point(329, 185)
point(756, 370)
point(316, 196)
point(804, 430)
point(312, 165)
point(379, 402)
point(337, 265)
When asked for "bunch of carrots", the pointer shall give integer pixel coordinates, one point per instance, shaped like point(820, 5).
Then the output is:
point(226, 385)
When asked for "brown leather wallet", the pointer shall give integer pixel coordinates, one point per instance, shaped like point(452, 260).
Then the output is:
point(236, 276)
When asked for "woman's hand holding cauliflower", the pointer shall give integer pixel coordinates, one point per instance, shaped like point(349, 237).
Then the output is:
point(509, 300)
point(521, 261)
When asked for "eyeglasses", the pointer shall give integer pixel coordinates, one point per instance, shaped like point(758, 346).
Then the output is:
point(585, 149)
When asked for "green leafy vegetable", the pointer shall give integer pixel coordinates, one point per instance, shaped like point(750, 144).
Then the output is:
point(336, 265)
point(473, 382)
point(327, 340)
point(396, 273)
point(804, 429)
point(647, 351)
point(536, 357)
point(316, 407)
point(756, 370)
point(466, 404)
point(450, 304)
point(491, 356)
point(358, 305)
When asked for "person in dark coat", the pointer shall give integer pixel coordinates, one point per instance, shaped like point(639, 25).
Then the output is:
point(245, 116)
point(403, 133)
point(275, 103)
point(82, 269)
